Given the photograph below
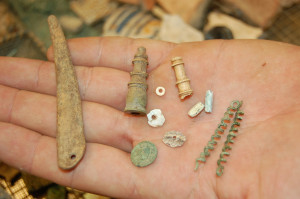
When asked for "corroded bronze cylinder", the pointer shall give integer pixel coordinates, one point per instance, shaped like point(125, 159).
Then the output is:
point(136, 100)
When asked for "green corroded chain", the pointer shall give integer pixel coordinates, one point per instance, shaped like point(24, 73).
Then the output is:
point(232, 134)
point(234, 106)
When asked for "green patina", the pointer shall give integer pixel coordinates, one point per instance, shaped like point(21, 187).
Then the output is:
point(143, 154)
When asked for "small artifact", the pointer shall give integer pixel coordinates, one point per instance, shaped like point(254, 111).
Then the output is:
point(182, 82)
point(136, 100)
point(209, 101)
point(160, 91)
point(156, 118)
point(232, 134)
point(143, 154)
point(218, 132)
point(196, 109)
point(70, 136)
point(174, 139)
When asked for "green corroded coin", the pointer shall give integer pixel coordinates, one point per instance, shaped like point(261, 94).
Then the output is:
point(143, 154)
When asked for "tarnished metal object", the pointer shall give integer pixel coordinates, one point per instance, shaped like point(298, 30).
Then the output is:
point(182, 82)
point(143, 154)
point(196, 109)
point(70, 136)
point(232, 134)
point(136, 100)
point(174, 139)
point(216, 136)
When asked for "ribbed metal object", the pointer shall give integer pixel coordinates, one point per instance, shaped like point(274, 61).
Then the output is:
point(136, 100)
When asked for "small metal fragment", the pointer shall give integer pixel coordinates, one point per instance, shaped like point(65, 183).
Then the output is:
point(209, 101)
point(136, 99)
point(196, 109)
point(156, 118)
point(160, 91)
point(182, 82)
point(174, 139)
point(143, 154)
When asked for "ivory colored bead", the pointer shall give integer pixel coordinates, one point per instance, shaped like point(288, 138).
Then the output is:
point(196, 109)
point(160, 91)
point(183, 83)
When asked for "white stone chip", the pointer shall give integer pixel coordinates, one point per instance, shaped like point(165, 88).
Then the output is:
point(155, 118)
point(196, 109)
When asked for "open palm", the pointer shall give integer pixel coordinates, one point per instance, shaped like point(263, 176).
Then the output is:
point(264, 160)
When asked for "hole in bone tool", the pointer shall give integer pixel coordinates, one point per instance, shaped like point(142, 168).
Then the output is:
point(73, 156)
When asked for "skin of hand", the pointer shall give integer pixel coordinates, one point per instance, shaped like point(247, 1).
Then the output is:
point(264, 161)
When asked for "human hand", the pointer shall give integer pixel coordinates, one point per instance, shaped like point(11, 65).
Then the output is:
point(264, 160)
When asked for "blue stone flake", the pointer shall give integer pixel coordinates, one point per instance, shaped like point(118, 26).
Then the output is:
point(209, 101)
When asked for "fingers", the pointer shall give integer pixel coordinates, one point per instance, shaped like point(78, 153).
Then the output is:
point(102, 85)
point(114, 52)
point(101, 167)
point(102, 124)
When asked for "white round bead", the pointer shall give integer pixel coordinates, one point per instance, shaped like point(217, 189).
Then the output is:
point(160, 91)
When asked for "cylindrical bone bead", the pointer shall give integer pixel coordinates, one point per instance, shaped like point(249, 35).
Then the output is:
point(182, 82)
point(136, 100)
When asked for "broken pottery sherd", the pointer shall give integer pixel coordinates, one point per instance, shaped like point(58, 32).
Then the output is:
point(174, 138)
